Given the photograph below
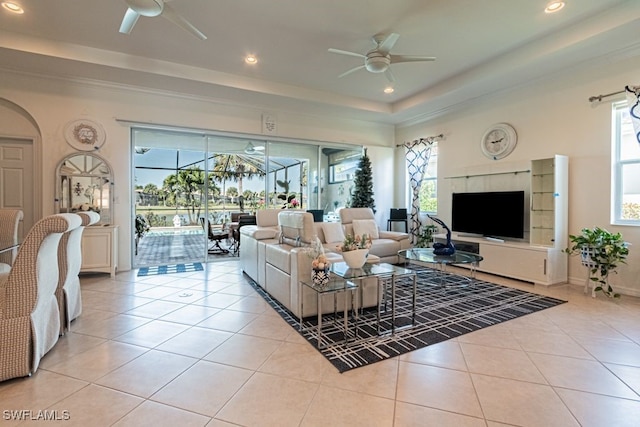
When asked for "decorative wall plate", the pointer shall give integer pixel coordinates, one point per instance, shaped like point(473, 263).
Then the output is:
point(85, 135)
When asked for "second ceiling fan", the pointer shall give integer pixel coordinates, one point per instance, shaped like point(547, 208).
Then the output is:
point(379, 59)
point(153, 8)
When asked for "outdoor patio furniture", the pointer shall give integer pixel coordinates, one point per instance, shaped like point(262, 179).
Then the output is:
point(243, 220)
point(215, 237)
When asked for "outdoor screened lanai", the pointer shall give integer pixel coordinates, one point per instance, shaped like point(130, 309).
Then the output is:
point(186, 180)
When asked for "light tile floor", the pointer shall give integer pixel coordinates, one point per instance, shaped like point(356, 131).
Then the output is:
point(203, 349)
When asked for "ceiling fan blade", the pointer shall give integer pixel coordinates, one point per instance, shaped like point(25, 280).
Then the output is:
point(129, 20)
point(390, 76)
point(346, 52)
point(387, 44)
point(353, 70)
point(410, 58)
point(174, 17)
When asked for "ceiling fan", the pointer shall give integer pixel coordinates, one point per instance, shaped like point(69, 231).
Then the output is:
point(379, 59)
point(253, 149)
point(153, 8)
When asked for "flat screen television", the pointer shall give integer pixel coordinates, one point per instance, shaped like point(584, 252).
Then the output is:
point(490, 214)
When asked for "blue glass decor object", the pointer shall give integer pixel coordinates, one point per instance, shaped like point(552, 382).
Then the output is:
point(443, 248)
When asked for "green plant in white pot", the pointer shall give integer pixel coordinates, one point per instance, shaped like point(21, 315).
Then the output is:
point(601, 252)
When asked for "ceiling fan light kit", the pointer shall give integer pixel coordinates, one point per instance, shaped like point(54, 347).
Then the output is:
point(376, 63)
point(379, 60)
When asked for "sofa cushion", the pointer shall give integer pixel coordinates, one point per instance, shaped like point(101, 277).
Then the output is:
point(366, 226)
point(333, 232)
point(384, 247)
point(259, 233)
point(347, 215)
point(279, 257)
point(265, 233)
point(296, 227)
point(267, 217)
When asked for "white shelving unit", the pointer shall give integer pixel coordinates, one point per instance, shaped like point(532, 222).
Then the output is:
point(549, 219)
point(540, 260)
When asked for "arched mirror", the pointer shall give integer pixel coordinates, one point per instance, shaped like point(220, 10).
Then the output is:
point(84, 182)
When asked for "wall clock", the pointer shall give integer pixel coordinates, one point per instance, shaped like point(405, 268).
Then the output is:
point(498, 141)
point(85, 135)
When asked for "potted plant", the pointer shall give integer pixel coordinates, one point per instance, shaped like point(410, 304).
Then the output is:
point(425, 236)
point(142, 226)
point(601, 252)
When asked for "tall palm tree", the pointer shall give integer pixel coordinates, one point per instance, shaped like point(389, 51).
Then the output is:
point(234, 168)
point(151, 191)
point(187, 186)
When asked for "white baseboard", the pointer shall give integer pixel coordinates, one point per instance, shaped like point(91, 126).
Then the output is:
point(617, 288)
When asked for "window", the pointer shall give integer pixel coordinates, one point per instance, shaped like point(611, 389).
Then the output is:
point(626, 168)
point(429, 188)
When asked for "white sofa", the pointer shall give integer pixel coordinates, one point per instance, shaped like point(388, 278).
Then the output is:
point(276, 256)
point(253, 239)
point(385, 244)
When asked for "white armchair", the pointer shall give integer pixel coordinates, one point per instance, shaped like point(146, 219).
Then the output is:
point(29, 314)
point(69, 263)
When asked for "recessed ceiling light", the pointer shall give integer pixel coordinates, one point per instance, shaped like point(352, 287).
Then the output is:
point(13, 7)
point(251, 59)
point(553, 6)
point(388, 89)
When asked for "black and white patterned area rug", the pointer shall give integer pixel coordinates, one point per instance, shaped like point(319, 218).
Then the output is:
point(168, 269)
point(447, 306)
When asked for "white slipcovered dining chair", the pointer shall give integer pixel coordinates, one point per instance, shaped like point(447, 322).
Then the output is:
point(9, 222)
point(29, 314)
point(69, 263)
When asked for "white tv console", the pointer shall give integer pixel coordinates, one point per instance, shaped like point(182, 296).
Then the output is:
point(539, 260)
point(518, 260)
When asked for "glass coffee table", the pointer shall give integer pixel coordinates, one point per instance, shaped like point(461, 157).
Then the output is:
point(386, 275)
point(441, 262)
point(333, 287)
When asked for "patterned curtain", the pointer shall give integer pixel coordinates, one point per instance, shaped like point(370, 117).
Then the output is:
point(633, 98)
point(417, 157)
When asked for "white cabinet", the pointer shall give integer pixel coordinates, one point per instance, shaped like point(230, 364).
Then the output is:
point(540, 260)
point(531, 263)
point(100, 249)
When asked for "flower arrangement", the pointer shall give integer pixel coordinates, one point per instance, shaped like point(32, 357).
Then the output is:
point(320, 262)
point(354, 242)
point(319, 259)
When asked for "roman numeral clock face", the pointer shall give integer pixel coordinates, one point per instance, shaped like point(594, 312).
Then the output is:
point(498, 141)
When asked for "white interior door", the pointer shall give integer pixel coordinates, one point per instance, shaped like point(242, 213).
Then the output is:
point(16, 179)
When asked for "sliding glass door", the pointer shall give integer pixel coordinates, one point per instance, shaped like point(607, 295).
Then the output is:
point(190, 188)
point(171, 188)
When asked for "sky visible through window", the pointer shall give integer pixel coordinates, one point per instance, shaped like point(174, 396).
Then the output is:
point(156, 164)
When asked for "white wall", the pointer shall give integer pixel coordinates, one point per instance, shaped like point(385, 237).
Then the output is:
point(551, 117)
point(384, 177)
point(52, 103)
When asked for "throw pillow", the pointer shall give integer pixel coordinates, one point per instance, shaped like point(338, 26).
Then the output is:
point(366, 226)
point(333, 232)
